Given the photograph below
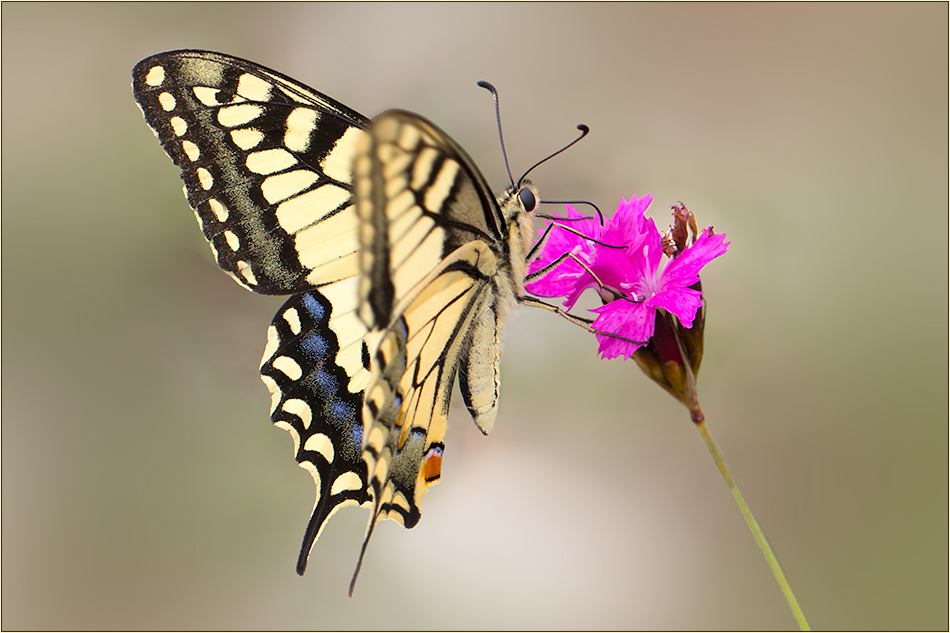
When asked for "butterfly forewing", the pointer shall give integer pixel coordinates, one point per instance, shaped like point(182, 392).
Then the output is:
point(267, 166)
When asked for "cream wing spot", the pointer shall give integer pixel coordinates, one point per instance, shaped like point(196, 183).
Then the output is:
point(288, 366)
point(201, 222)
point(396, 165)
point(167, 101)
point(350, 358)
point(334, 270)
point(292, 319)
point(233, 240)
point(155, 76)
point(205, 178)
point(270, 161)
point(346, 481)
point(191, 150)
point(398, 226)
point(387, 152)
point(178, 125)
point(422, 258)
point(233, 116)
point(400, 204)
point(376, 438)
point(247, 138)
point(300, 409)
point(412, 239)
point(309, 468)
point(300, 124)
point(253, 88)
point(219, 210)
point(344, 298)
point(396, 184)
point(320, 443)
point(399, 499)
point(207, 96)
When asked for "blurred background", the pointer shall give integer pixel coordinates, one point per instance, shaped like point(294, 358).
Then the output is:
point(144, 488)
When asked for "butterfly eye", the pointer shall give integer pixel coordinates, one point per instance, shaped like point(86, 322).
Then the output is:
point(527, 200)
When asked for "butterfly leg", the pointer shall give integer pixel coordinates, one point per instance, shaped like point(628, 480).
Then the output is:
point(541, 272)
point(544, 237)
point(587, 324)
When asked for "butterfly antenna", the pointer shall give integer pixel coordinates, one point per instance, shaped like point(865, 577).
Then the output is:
point(584, 131)
point(490, 88)
point(600, 215)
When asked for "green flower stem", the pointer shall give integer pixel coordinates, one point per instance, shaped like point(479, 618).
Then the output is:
point(753, 524)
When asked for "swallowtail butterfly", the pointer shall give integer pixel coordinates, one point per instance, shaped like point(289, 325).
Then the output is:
point(399, 262)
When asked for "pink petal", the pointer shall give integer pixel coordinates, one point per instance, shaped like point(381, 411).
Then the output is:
point(634, 321)
point(683, 302)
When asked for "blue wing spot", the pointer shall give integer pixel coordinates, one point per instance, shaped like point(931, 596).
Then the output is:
point(342, 411)
point(314, 346)
point(313, 307)
point(327, 384)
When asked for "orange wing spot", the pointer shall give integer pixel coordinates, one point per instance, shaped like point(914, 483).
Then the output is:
point(432, 466)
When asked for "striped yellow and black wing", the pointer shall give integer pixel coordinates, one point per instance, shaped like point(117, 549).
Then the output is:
point(267, 166)
point(441, 264)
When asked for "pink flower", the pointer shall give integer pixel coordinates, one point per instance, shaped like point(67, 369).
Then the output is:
point(635, 285)
point(569, 278)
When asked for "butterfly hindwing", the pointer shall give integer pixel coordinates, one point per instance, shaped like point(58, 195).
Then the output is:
point(316, 367)
point(267, 166)
point(407, 402)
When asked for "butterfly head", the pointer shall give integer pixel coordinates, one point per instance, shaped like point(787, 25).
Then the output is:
point(517, 203)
